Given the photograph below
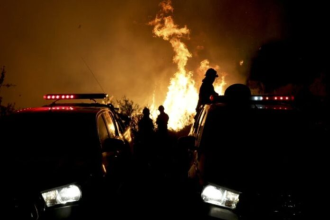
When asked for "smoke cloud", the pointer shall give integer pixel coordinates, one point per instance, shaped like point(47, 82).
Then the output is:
point(59, 46)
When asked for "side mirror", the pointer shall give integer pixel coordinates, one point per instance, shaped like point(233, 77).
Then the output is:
point(112, 145)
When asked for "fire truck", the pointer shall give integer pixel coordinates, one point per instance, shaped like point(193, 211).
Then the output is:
point(253, 157)
point(64, 160)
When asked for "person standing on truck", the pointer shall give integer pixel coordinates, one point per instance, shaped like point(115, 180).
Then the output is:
point(207, 88)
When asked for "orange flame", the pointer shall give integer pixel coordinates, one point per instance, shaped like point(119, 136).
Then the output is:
point(181, 99)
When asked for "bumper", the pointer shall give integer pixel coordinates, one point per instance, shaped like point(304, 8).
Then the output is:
point(220, 213)
point(198, 209)
point(72, 211)
point(34, 208)
point(35, 211)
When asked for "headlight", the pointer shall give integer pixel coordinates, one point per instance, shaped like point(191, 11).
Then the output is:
point(220, 196)
point(61, 195)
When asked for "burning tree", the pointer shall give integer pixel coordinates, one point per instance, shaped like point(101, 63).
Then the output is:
point(129, 111)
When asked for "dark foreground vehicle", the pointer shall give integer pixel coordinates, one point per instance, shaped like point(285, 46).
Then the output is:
point(63, 161)
point(255, 157)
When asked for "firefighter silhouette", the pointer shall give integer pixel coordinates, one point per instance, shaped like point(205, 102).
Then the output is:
point(145, 125)
point(207, 88)
point(145, 137)
point(162, 121)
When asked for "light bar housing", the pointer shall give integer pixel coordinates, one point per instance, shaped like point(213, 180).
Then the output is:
point(271, 98)
point(257, 98)
point(76, 96)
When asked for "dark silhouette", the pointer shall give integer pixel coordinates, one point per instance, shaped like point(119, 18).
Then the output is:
point(146, 125)
point(207, 88)
point(238, 95)
point(163, 145)
point(162, 121)
point(145, 137)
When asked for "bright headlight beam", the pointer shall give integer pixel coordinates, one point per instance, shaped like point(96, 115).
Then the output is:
point(62, 195)
point(220, 196)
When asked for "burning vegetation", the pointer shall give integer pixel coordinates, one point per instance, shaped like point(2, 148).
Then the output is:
point(182, 96)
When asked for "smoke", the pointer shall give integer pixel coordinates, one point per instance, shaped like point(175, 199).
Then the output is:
point(42, 43)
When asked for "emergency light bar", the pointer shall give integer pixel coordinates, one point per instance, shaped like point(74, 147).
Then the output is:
point(272, 98)
point(61, 108)
point(75, 96)
point(256, 98)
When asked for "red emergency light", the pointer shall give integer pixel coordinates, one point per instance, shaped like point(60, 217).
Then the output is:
point(271, 98)
point(67, 108)
point(75, 96)
point(275, 108)
point(255, 98)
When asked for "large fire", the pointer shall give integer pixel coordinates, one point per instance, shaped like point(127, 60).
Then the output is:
point(182, 96)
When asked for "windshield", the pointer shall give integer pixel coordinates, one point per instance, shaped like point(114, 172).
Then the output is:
point(49, 134)
point(258, 127)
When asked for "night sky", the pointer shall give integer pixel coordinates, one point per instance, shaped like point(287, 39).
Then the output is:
point(64, 46)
